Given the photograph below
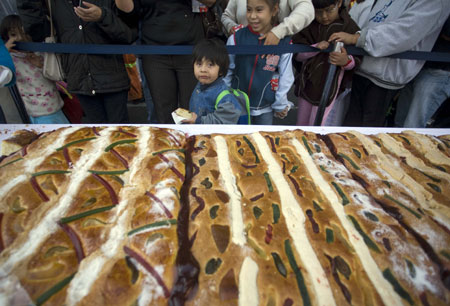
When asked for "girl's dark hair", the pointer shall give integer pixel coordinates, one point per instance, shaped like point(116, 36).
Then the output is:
point(213, 50)
point(8, 23)
point(320, 4)
point(271, 4)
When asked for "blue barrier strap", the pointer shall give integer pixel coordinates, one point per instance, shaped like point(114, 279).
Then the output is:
point(241, 49)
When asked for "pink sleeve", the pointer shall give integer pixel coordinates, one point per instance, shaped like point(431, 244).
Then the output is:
point(300, 57)
point(351, 64)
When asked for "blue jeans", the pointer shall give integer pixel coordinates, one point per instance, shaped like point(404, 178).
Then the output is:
point(55, 118)
point(423, 97)
point(263, 119)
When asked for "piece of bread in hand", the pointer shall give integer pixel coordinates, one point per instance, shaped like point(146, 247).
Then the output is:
point(183, 113)
point(19, 139)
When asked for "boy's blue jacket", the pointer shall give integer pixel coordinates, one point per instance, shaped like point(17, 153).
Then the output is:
point(203, 101)
point(265, 80)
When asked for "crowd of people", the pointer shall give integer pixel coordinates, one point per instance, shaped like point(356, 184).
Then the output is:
point(222, 88)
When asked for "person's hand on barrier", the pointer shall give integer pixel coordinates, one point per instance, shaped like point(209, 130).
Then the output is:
point(11, 43)
point(339, 58)
point(271, 40)
point(323, 45)
point(346, 38)
point(282, 114)
point(89, 13)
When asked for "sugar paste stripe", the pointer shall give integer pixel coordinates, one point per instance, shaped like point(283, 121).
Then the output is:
point(31, 165)
point(424, 198)
point(229, 180)
point(295, 221)
point(383, 287)
point(49, 225)
point(91, 266)
point(394, 146)
point(248, 287)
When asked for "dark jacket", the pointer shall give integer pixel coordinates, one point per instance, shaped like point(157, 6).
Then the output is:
point(313, 72)
point(86, 74)
point(169, 22)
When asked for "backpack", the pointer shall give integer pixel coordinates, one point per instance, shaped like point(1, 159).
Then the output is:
point(243, 100)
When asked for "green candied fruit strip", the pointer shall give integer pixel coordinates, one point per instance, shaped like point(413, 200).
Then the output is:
point(153, 225)
point(372, 245)
point(276, 213)
point(257, 212)
point(75, 142)
point(279, 264)
point(354, 165)
point(436, 180)
point(50, 172)
point(434, 187)
point(371, 216)
point(11, 162)
point(213, 211)
point(445, 254)
point(85, 214)
point(329, 235)
point(268, 181)
point(294, 169)
point(305, 142)
point(418, 216)
point(411, 268)
point(118, 179)
point(397, 287)
point(213, 265)
point(53, 290)
point(405, 139)
point(317, 147)
point(317, 206)
point(167, 150)
point(114, 172)
point(201, 161)
point(277, 141)
point(356, 152)
point(114, 144)
point(298, 273)
point(387, 183)
point(345, 200)
point(252, 148)
point(323, 169)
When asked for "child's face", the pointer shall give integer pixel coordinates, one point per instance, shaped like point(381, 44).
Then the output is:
point(328, 14)
point(16, 34)
point(205, 71)
point(259, 15)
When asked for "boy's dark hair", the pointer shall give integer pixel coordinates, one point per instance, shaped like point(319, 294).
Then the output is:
point(213, 50)
point(320, 4)
point(8, 23)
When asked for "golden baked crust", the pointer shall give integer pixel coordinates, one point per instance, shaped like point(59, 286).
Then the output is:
point(19, 139)
point(96, 216)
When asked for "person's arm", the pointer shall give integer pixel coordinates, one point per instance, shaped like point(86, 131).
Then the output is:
point(302, 56)
point(402, 34)
point(226, 113)
point(229, 77)
point(229, 16)
point(302, 14)
point(108, 21)
point(284, 84)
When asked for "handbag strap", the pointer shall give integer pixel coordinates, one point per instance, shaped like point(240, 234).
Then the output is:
point(52, 29)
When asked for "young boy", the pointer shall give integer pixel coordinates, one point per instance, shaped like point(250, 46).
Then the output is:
point(210, 59)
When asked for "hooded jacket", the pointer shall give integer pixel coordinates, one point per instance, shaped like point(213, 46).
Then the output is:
point(313, 72)
point(395, 26)
point(86, 74)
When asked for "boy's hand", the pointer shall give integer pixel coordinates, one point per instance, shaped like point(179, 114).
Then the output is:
point(190, 120)
point(323, 45)
point(339, 58)
point(346, 38)
point(271, 40)
point(282, 114)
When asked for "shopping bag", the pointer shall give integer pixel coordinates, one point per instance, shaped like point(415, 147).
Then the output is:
point(52, 68)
